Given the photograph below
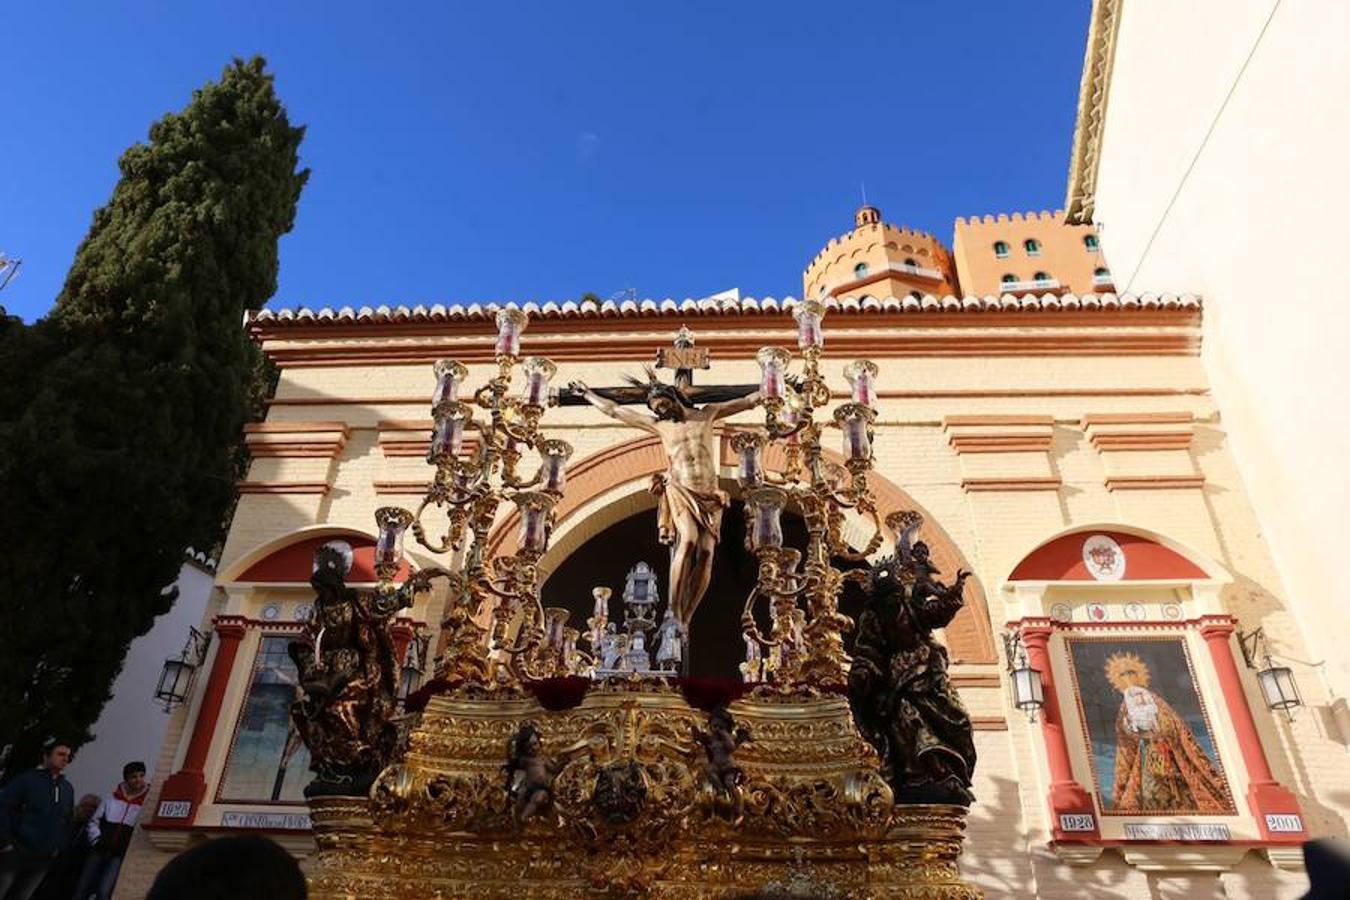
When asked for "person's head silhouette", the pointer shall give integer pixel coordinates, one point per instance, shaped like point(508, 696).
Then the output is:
point(228, 868)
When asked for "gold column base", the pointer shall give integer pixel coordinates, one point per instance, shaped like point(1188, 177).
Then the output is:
point(633, 813)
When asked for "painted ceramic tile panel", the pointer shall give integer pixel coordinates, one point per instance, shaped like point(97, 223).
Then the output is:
point(1148, 737)
point(267, 762)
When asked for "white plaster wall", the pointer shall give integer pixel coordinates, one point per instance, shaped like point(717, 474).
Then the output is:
point(1258, 228)
point(132, 725)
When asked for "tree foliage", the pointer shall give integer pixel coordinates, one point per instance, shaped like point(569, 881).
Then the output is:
point(121, 411)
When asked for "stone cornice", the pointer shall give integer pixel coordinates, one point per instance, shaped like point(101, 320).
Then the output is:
point(1093, 92)
point(1154, 482)
point(1091, 325)
point(999, 433)
point(411, 437)
point(444, 319)
point(295, 439)
point(1139, 431)
point(284, 487)
point(1009, 484)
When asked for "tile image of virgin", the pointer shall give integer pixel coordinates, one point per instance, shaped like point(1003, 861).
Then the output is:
point(1151, 744)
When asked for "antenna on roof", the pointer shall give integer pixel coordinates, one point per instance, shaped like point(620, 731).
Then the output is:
point(863, 186)
point(625, 294)
point(9, 267)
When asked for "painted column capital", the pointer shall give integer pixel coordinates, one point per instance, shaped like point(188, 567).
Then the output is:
point(1217, 628)
point(231, 628)
point(1035, 631)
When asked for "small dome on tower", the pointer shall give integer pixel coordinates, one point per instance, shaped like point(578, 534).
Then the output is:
point(876, 260)
point(866, 215)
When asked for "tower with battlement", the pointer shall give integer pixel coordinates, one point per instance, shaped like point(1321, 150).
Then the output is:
point(877, 259)
point(1018, 254)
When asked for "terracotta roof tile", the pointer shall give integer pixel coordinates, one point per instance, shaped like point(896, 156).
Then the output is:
point(571, 309)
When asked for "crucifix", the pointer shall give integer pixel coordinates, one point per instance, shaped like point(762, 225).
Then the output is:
point(690, 504)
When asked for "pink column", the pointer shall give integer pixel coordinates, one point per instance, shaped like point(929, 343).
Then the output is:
point(1070, 804)
point(184, 790)
point(1275, 808)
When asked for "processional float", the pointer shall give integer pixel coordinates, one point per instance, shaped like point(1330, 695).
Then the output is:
point(535, 769)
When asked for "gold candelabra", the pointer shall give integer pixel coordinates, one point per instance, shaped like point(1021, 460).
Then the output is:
point(471, 481)
point(806, 646)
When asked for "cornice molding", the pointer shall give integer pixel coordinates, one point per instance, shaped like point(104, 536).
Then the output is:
point(1154, 482)
point(1093, 92)
point(414, 488)
point(284, 487)
point(975, 485)
point(1141, 440)
point(999, 433)
point(884, 394)
point(295, 440)
point(1137, 335)
point(480, 317)
point(411, 437)
point(1139, 430)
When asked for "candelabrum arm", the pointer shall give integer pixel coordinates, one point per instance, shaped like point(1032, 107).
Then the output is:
point(419, 531)
point(839, 547)
point(748, 624)
point(422, 578)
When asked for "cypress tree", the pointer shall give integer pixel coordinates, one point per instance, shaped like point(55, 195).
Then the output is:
point(121, 412)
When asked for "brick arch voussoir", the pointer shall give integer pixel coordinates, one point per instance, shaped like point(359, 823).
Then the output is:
point(595, 475)
point(970, 636)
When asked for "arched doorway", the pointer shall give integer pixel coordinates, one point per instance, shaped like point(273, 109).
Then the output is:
point(716, 647)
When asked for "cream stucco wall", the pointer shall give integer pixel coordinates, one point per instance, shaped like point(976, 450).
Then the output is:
point(133, 725)
point(1251, 214)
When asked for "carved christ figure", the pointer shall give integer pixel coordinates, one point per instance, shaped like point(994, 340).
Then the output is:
point(690, 503)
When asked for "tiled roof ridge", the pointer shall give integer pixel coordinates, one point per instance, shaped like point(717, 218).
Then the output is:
point(572, 309)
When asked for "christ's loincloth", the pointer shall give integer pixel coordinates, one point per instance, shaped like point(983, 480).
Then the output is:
point(704, 507)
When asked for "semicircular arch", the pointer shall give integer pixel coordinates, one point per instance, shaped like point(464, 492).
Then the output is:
point(608, 486)
point(288, 558)
point(1057, 557)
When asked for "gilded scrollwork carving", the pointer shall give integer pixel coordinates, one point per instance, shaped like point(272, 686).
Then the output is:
point(634, 810)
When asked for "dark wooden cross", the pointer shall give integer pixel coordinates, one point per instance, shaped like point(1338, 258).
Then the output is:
point(684, 357)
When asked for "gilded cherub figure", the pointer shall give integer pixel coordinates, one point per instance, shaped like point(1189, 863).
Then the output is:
point(529, 774)
point(720, 743)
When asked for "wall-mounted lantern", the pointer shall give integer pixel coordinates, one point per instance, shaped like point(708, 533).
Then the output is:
point(1278, 686)
point(175, 680)
point(1028, 692)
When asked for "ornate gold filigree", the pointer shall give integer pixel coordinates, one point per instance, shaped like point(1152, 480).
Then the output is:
point(633, 813)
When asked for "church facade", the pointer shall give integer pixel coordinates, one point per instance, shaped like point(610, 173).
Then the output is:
point(1062, 444)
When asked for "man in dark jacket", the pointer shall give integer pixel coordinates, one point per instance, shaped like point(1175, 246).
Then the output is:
point(65, 873)
point(35, 813)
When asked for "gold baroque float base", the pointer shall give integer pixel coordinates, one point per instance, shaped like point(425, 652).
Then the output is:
point(633, 813)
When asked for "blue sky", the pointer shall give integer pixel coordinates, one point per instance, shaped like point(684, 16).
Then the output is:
point(535, 151)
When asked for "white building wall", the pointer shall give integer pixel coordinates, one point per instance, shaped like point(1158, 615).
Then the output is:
point(133, 725)
point(1224, 171)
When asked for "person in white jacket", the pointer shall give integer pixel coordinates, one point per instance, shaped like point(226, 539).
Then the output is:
point(110, 830)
